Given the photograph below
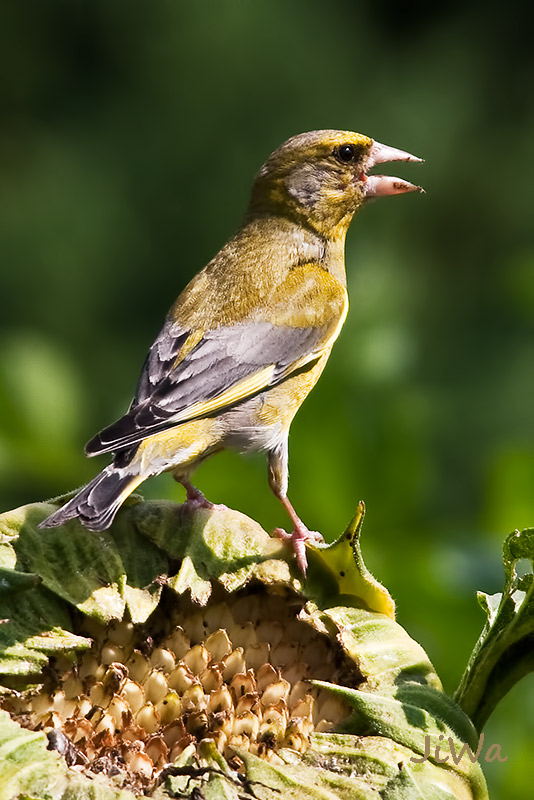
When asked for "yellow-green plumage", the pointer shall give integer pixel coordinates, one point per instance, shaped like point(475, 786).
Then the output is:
point(248, 338)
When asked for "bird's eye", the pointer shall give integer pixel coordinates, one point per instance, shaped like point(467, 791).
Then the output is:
point(345, 152)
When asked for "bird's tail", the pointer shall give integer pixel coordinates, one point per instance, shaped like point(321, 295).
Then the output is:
point(97, 503)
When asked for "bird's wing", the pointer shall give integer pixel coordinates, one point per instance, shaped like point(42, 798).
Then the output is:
point(226, 364)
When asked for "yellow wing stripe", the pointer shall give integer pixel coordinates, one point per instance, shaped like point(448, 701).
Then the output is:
point(245, 388)
point(300, 363)
point(251, 385)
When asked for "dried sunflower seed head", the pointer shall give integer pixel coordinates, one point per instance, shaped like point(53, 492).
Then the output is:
point(224, 672)
point(247, 687)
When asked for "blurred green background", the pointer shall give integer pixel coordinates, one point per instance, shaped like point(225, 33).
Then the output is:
point(130, 136)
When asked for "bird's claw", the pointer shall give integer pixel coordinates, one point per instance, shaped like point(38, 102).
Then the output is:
point(195, 503)
point(195, 499)
point(298, 539)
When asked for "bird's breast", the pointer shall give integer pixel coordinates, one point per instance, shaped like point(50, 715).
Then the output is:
point(262, 422)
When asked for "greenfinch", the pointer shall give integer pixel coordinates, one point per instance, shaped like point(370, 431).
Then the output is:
point(249, 336)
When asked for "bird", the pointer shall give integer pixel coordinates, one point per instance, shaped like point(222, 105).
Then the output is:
point(249, 336)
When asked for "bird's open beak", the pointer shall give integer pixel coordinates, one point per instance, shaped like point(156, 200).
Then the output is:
point(382, 185)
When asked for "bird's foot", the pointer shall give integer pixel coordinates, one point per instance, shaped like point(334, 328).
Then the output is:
point(195, 499)
point(199, 501)
point(298, 539)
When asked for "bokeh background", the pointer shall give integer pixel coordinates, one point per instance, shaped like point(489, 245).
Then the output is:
point(130, 135)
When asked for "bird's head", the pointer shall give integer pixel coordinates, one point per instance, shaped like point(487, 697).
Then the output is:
point(320, 179)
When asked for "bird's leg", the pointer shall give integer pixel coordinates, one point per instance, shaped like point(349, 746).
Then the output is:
point(299, 536)
point(194, 497)
point(278, 478)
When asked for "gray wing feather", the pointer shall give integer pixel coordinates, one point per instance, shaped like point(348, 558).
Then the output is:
point(224, 357)
point(160, 359)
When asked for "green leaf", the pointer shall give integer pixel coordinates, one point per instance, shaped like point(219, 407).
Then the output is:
point(145, 567)
point(338, 570)
point(188, 578)
point(383, 651)
point(296, 779)
point(37, 624)
point(421, 719)
point(387, 767)
point(81, 567)
point(405, 787)
point(12, 581)
point(8, 557)
point(213, 544)
point(504, 652)
point(18, 660)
